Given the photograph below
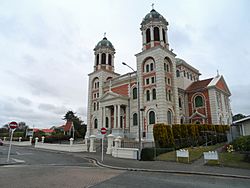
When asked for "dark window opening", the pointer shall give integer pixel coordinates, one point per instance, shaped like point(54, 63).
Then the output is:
point(151, 117)
point(154, 94)
point(96, 124)
point(156, 34)
point(107, 122)
point(110, 59)
point(163, 34)
point(135, 93)
point(103, 61)
point(135, 119)
point(97, 59)
point(148, 38)
point(198, 101)
point(148, 95)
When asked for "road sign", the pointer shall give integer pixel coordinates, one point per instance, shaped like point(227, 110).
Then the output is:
point(103, 130)
point(13, 125)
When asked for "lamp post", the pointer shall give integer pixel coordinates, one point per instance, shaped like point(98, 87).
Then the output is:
point(138, 106)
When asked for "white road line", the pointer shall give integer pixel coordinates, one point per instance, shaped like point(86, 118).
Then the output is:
point(18, 160)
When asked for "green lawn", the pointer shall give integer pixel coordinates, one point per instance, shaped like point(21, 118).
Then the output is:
point(195, 153)
point(233, 159)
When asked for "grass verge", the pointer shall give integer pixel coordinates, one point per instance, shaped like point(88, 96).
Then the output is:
point(194, 153)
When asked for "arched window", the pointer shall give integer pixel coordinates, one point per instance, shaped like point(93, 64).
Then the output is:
point(151, 117)
point(169, 117)
point(167, 67)
point(191, 77)
point(180, 103)
point(151, 66)
point(187, 75)
point(95, 84)
point(95, 123)
point(182, 120)
point(198, 101)
point(110, 59)
point(97, 59)
point(177, 73)
point(147, 68)
point(103, 61)
point(169, 95)
point(135, 119)
point(107, 122)
point(163, 34)
point(135, 93)
point(156, 34)
point(94, 106)
point(148, 95)
point(97, 106)
point(154, 94)
point(184, 73)
point(148, 38)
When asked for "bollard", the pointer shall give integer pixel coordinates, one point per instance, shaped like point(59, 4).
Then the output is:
point(71, 141)
point(36, 142)
point(119, 141)
point(86, 140)
point(92, 143)
point(30, 139)
point(20, 139)
point(110, 143)
point(43, 139)
point(4, 138)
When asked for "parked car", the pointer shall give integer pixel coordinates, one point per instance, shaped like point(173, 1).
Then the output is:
point(1, 142)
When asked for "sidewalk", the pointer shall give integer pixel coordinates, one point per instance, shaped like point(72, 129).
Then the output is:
point(167, 167)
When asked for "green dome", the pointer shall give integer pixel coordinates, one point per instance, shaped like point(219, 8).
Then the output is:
point(104, 43)
point(153, 16)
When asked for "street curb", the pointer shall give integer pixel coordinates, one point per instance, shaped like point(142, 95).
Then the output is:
point(168, 171)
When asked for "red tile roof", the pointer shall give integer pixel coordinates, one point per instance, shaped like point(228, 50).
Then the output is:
point(68, 126)
point(48, 130)
point(198, 85)
point(122, 90)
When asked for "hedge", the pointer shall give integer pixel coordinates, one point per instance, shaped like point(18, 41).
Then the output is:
point(185, 135)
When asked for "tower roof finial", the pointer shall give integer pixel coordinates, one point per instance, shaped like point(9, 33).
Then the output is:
point(152, 5)
point(218, 74)
point(104, 34)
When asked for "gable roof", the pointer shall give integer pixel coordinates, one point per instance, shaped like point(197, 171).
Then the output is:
point(121, 90)
point(198, 85)
point(241, 120)
point(219, 82)
point(68, 126)
point(112, 95)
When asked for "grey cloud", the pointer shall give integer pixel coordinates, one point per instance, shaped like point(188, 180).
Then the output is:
point(24, 101)
point(239, 95)
point(47, 107)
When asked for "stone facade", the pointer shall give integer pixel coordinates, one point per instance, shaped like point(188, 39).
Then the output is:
point(169, 90)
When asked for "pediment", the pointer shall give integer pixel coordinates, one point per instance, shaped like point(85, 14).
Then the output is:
point(110, 95)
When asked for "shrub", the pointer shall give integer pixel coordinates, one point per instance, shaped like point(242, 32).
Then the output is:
point(242, 143)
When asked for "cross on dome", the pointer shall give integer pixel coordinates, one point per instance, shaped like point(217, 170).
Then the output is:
point(152, 5)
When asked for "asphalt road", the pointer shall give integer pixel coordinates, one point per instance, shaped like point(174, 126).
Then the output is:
point(41, 168)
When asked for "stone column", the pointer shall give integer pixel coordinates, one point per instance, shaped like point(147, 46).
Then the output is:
point(119, 116)
point(92, 143)
point(107, 60)
point(110, 143)
point(152, 36)
point(115, 126)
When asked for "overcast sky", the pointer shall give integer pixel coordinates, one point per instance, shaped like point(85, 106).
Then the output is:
point(46, 49)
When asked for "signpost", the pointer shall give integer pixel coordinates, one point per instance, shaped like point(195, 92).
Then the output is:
point(12, 125)
point(103, 131)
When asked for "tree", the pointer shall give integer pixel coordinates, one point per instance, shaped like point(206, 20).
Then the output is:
point(79, 126)
point(238, 117)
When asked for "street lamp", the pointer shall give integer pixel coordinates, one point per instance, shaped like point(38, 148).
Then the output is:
point(138, 115)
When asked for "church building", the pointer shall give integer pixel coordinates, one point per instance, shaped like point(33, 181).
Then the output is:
point(162, 89)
